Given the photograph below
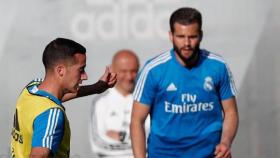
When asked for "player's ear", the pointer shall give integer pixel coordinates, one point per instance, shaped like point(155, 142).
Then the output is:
point(171, 36)
point(60, 70)
point(200, 35)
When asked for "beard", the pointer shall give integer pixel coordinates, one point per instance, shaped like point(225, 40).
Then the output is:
point(190, 59)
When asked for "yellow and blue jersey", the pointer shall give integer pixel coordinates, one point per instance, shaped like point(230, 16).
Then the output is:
point(185, 104)
point(39, 121)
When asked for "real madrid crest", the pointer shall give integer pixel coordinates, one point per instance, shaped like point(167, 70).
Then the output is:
point(208, 84)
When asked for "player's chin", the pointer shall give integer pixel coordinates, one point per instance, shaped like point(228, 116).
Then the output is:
point(78, 87)
point(186, 53)
point(75, 89)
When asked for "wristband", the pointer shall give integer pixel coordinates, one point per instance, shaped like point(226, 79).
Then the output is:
point(97, 88)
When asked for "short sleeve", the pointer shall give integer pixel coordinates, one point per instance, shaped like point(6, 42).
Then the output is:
point(144, 91)
point(48, 129)
point(227, 87)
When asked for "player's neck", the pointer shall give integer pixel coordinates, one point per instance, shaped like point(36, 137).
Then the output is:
point(49, 86)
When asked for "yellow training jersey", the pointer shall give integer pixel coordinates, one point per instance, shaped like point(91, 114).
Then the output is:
point(29, 106)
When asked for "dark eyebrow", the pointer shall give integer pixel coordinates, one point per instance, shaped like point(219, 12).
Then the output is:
point(180, 35)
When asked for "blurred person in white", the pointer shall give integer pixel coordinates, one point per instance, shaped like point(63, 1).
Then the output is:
point(111, 111)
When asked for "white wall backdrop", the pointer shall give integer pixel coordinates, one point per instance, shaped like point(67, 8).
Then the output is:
point(245, 32)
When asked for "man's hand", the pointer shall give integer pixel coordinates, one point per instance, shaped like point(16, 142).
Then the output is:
point(109, 77)
point(222, 151)
point(230, 126)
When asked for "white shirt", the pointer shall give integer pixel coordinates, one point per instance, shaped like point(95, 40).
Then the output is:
point(112, 111)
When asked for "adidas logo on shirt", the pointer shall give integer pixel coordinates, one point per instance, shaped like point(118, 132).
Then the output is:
point(171, 87)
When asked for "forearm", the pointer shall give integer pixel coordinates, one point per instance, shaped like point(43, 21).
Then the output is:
point(116, 135)
point(39, 152)
point(230, 127)
point(138, 139)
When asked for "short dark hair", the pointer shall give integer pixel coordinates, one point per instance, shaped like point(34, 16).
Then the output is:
point(61, 49)
point(185, 16)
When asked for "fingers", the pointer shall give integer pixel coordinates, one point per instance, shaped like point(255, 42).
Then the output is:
point(107, 68)
point(112, 79)
point(107, 71)
point(109, 77)
point(222, 151)
point(223, 154)
point(105, 77)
